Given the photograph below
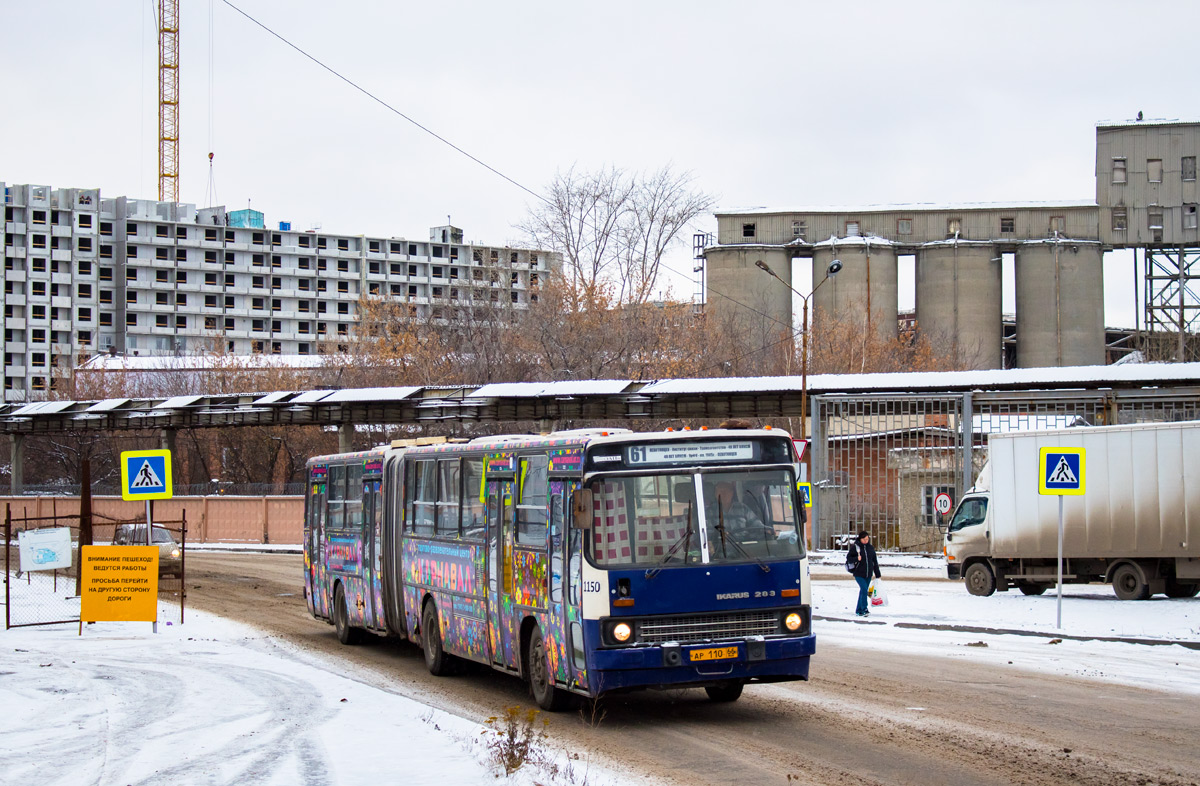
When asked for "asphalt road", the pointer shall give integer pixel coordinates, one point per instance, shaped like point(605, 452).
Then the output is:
point(866, 717)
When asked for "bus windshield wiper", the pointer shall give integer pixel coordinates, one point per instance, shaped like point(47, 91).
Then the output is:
point(738, 546)
point(683, 540)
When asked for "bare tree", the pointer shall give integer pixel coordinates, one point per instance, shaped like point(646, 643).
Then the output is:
point(613, 225)
point(661, 206)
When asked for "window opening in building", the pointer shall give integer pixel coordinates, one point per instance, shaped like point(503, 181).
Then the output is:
point(1120, 219)
point(1154, 170)
point(1187, 168)
point(1008, 225)
point(904, 226)
point(749, 230)
point(852, 229)
point(953, 227)
point(1189, 217)
point(1118, 171)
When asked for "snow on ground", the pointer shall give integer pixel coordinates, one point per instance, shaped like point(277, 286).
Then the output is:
point(212, 701)
point(928, 614)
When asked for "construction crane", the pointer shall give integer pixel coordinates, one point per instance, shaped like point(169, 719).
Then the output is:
point(168, 100)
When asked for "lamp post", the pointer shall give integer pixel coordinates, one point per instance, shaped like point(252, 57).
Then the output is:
point(830, 272)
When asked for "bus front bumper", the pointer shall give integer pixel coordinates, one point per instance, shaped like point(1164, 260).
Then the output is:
point(673, 665)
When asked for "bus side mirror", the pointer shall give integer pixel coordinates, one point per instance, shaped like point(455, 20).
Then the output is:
point(581, 507)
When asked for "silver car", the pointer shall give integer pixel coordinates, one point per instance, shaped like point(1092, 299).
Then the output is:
point(170, 555)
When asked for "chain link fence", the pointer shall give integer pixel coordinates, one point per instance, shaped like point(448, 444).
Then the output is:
point(51, 597)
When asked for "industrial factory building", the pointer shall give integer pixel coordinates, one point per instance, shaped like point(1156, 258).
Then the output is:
point(84, 274)
point(1146, 200)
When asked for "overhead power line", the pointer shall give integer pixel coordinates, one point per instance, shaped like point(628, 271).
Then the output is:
point(388, 106)
point(476, 159)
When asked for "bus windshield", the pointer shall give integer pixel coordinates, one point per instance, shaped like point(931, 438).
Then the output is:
point(648, 520)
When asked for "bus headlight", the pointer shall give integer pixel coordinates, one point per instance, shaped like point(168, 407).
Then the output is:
point(621, 632)
point(793, 621)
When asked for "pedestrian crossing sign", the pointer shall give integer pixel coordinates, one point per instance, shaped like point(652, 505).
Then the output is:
point(805, 490)
point(145, 474)
point(1061, 471)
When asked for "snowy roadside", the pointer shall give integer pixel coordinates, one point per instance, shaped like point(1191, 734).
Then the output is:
point(928, 614)
point(215, 701)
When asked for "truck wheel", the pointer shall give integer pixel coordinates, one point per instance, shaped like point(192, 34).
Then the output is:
point(1128, 583)
point(1177, 589)
point(1031, 588)
point(436, 659)
point(346, 633)
point(980, 580)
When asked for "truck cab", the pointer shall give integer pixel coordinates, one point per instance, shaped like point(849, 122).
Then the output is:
point(967, 534)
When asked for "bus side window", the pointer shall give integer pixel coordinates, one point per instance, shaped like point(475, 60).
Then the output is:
point(556, 551)
point(447, 501)
point(336, 496)
point(531, 509)
point(472, 504)
point(354, 498)
point(424, 497)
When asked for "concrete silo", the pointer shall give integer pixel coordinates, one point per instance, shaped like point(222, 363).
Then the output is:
point(959, 300)
point(865, 288)
point(1060, 303)
point(745, 299)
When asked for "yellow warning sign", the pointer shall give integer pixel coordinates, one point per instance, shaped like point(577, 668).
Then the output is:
point(120, 584)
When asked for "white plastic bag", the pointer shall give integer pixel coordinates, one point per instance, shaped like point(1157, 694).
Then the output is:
point(877, 593)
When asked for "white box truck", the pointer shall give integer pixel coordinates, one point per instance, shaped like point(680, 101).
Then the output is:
point(1137, 526)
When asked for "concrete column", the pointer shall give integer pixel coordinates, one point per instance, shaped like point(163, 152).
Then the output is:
point(17, 462)
point(345, 438)
point(166, 440)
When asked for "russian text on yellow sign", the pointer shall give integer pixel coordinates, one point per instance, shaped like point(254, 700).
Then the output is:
point(120, 584)
point(127, 493)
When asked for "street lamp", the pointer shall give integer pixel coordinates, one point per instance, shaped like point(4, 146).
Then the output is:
point(830, 272)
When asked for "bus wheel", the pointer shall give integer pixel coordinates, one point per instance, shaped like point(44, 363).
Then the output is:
point(541, 682)
point(436, 659)
point(341, 619)
point(725, 692)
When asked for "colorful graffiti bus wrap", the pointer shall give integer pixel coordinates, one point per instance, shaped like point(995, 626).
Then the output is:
point(585, 562)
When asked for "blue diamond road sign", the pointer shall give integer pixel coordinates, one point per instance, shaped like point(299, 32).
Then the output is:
point(1061, 471)
point(146, 474)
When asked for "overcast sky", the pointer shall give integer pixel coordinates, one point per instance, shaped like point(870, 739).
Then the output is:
point(767, 104)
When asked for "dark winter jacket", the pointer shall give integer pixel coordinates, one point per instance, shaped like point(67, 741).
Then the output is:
point(865, 565)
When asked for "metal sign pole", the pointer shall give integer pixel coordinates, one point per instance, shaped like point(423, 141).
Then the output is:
point(150, 542)
point(1060, 559)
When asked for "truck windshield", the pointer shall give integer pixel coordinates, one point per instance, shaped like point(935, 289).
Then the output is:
point(648, 520)
point(972, 511)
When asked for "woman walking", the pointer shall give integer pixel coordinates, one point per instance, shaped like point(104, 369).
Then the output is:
point(862, 556)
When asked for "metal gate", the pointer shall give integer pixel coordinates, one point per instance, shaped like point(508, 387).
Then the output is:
point(880, 460)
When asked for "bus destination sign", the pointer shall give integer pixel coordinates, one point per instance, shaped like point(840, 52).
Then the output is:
point(688, 453)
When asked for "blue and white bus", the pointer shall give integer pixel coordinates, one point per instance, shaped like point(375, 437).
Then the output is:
point(585, 562)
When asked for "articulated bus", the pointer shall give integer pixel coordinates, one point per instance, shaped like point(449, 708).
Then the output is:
point(585, 562)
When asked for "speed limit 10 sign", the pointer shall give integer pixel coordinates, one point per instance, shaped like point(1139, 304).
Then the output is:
point(942, 503)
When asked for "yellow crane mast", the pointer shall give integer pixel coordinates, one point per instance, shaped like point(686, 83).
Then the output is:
point(168, 100)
